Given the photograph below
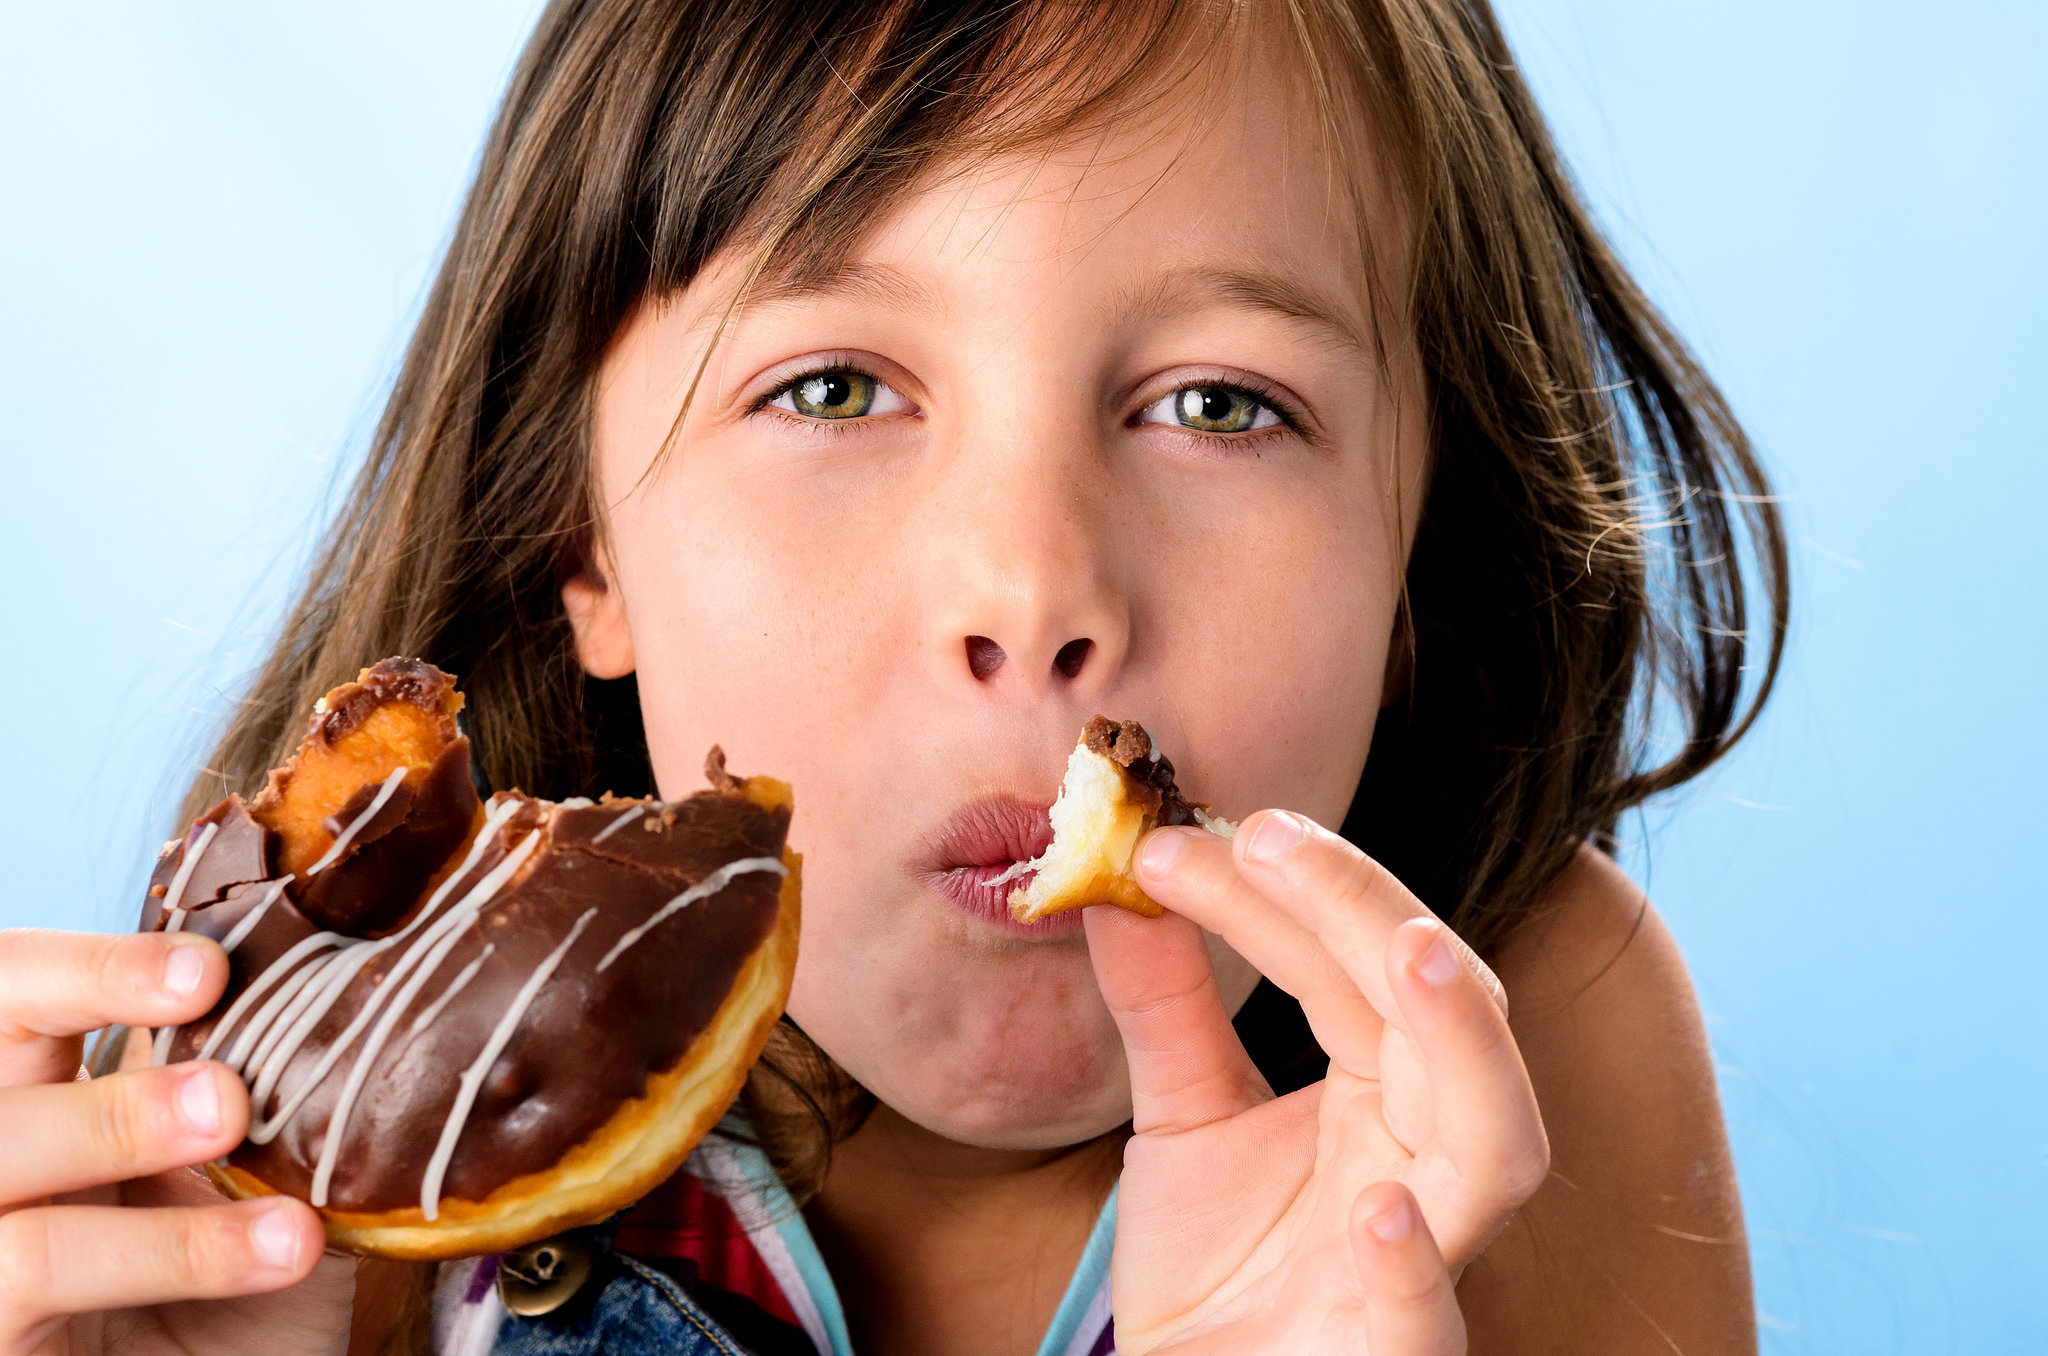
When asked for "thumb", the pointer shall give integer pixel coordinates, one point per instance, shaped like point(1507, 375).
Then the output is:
point(1411, 1303)
point(1188, 1067)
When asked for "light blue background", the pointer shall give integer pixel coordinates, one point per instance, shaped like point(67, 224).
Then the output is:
point(216, 221)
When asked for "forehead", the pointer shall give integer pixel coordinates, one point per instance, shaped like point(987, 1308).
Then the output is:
point(1225, 193)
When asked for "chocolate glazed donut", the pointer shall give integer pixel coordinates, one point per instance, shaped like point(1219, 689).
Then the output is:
point(469, 1025)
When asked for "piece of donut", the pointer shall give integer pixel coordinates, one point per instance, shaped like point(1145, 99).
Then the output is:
point(465, 1025)
point(1118, 785)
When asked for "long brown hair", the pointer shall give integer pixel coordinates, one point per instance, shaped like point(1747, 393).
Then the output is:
point(1599, 569)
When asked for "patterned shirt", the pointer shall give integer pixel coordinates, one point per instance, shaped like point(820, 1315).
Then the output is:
point(726, 1231)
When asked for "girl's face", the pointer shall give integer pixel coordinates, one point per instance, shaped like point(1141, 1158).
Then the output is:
point(1100, 431)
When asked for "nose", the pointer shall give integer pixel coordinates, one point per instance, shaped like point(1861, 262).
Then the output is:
point(1024, 573)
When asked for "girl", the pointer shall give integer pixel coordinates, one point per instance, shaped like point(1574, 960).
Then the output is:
point(880, 388)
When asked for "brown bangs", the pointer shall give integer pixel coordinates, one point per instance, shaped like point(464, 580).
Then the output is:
point(875, 100)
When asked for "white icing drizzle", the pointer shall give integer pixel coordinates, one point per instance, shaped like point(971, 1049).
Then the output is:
point(272, 973)
point(255, 915)
point(265, 1129)
point(577, 803)
point(710, 885)
point(269, 1127)
point(348, 835)
point(473, 1076)
point(237, 1053)
point(460, 982)
point(352, 954)
point(625, 818)
point(161, 1050)
point(275, 1020)
point(442, 937)
point(176, 896)
point(340, 971)
point(1216, 824)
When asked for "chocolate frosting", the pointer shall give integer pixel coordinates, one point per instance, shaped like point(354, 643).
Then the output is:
point(1129, 745)
point(587, 1043)
point(241, 850)
point(383, 871)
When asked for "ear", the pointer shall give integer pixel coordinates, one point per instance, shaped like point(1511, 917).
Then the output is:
point(597, 614)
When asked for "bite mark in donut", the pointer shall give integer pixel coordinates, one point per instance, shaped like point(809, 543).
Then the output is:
point(463, 1054)
point(1118, 785)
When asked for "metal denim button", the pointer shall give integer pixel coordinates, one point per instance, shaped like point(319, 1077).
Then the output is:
point(542, 1277)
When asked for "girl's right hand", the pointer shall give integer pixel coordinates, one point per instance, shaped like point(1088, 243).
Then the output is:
point(109, 1240)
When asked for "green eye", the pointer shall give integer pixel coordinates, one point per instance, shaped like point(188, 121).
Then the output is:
point(1213, 409)
point(840, 395)
point(833, 395)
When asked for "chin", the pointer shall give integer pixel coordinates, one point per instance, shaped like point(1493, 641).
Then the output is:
point(1044, 1102)
point(1021, 1074)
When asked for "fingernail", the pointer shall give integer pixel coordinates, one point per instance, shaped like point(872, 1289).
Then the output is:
point(183, 969)
point(1161, 849)
point(275, 1239)
point(198, 1102)
point(1278, 834)
point(1396, 1224)
point(1439, 965)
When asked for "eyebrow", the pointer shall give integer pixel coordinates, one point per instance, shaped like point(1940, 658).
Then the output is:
point(1264, 290)
point(1274, 293)
point(883, 284)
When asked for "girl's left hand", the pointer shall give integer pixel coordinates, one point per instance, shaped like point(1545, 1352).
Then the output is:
point(1337, 1218)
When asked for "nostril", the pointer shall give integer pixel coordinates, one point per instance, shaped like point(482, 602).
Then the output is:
point(984, 656)
point(1072, 656)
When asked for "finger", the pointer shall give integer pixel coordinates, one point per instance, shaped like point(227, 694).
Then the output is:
point(1187, 1065)
point(1193, 873)
point(1411, 1305)
point(55, 986)
point(1489, 1152)
point(1349, 901)
point(68, 1136)
point(75, 1259)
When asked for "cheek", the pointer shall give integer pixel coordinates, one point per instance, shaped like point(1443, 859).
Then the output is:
point(1275, 663)
point(751, 628)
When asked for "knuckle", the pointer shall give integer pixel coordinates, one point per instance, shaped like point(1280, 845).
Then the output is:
point(118, 1124)
point(216, 1241)
point(1525, 1168)
point(1357, 875)
point(1166, 1000)
point(1418, 1284)
point(1492, 1040)
point(185, 1247)
point(25, 1246)
point(115, 965)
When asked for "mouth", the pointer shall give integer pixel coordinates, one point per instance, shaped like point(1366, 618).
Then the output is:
point(982, 841)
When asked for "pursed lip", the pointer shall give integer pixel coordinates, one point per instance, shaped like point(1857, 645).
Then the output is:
point(981, 841)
